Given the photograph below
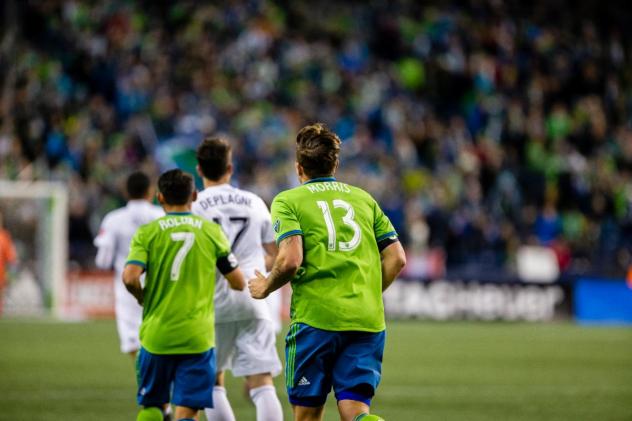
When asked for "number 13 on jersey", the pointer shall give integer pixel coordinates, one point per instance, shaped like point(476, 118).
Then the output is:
point(347, 220)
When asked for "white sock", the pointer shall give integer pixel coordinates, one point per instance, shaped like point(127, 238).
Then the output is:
point(221, 410)
point(267, 403)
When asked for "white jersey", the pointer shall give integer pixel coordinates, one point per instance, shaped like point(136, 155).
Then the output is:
point(112, 243)
point(116, 232)
point(246, 220)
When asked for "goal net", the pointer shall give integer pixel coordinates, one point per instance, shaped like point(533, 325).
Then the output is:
point(36, 216)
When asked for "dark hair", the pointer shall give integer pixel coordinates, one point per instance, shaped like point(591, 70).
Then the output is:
point(317, 150)
point(137, 185)
point(213, 156)
point(176, 186)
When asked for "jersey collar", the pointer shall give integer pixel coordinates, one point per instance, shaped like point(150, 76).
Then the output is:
point(320, 179)
point(137, 202)
point(178, 213)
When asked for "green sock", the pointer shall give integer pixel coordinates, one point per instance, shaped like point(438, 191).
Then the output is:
point(150, 414)
point(368, 417)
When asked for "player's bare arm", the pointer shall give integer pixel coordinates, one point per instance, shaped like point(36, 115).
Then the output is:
point(236, 279)
point(393, 261)
point(131, 279)
point(272, 251)
point(285, 267)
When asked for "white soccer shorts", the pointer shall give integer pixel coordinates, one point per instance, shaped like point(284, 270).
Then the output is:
point(129, 315)
point(247, 347)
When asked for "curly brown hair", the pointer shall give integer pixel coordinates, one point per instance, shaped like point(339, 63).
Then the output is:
point(317, 150)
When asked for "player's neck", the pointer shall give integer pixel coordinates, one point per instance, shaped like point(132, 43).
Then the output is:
point(177, 208)
point(304, 178)
point(225, 179)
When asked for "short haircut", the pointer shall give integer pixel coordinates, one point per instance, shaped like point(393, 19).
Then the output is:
point(213, 156)
point(137, 185)
point(317, 150)
point(176, 186)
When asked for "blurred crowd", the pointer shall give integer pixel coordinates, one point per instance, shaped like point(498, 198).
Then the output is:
point(479, 126)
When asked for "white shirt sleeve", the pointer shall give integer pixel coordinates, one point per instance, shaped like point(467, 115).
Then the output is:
point(105, 242)
point(267, 233)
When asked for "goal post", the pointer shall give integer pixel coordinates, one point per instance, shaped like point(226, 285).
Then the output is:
point(36, 215)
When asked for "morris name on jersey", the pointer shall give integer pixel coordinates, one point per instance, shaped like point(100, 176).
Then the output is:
point(328, 186)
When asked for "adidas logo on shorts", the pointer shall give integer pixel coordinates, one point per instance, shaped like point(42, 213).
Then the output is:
point(303, 382)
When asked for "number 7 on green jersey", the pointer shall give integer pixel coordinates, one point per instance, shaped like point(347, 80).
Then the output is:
point(189, 239)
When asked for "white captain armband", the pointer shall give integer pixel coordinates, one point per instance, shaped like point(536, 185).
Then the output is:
point(227, 264)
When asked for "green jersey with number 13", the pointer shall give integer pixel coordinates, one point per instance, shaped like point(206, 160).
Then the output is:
point(179, 252)
point(339, 286)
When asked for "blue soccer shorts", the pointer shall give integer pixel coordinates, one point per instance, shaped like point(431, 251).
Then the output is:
point(182, 379)
point(317, 360)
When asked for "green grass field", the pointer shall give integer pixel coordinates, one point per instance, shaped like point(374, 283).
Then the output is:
point(432, 371)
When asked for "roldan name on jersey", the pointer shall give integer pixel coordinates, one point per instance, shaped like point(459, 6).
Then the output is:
point(175, 221)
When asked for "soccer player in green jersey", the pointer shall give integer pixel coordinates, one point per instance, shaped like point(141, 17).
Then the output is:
point(340, 253)
point(178, 253)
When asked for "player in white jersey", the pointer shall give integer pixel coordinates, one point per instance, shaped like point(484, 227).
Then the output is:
point(112, 243)
point(244, 330)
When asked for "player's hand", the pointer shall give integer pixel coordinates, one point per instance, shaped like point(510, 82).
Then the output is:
point(258, 286)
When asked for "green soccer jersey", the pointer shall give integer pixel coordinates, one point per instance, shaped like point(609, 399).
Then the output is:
point(339, 286)
point(179, 253)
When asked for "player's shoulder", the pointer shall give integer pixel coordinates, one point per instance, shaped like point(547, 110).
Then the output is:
point(360, 193)
point(252, 197)
point(205, 224)
point(114, 217)
point(289, 194)
point(155, 211)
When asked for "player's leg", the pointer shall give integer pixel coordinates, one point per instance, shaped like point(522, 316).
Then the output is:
point(257, 360)
point(357, 373)
point(356, 411)
point(225, 343)
point(184, 413)
point(128, 319)
point(306, 413)
point(151, 413)
point(310, 357)
point(263, 394)
point(194, 377)
point(221, 411)
point(154, 377)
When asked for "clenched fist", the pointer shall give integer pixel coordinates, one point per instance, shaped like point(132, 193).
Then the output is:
point(258, 286)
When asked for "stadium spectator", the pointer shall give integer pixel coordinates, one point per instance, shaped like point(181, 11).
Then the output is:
point(498, 124)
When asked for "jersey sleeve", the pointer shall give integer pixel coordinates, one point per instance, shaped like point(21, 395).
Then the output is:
point(105, 242)
point(385, 233)
point(267, 233)
point(138, 250)
point(226, 260)
point(284, 220)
